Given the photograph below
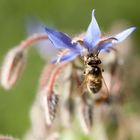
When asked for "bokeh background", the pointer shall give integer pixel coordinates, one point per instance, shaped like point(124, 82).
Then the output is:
point(71, 16)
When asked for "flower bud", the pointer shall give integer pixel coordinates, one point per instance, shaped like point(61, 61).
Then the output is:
point(49, 104)
point(86, 114)
point(12, 67)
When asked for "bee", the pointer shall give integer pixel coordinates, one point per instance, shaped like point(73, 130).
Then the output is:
point(93, 73)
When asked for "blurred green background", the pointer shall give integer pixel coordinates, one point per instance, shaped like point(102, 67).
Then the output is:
point(71, 16)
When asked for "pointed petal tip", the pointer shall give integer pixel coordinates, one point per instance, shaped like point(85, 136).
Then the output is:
point(93, 33)
point(93, 11)
point(124, 34)
point(59, 39)
point(133, 28)
point(47, 29)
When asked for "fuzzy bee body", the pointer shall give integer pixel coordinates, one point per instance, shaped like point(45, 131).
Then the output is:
point(94, 84)
point(93, 73)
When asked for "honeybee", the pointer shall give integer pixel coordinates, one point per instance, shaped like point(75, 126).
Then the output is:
point(93, 73)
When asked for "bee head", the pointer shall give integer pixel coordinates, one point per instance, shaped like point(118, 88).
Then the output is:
point(92, 60)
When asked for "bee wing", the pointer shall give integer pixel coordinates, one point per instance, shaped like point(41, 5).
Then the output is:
point(103, 95)
point(82, 87)
point(105, 88)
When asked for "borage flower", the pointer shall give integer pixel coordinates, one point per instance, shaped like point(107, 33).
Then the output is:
point(92, 42)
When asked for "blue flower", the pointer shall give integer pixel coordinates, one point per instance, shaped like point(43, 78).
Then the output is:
point(92, 42)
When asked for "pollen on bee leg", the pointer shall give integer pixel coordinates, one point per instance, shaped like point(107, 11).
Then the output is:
point(12, 67)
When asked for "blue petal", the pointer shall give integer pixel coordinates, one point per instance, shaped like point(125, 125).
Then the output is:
point(44, 47)
point(66, 58)
point(105, 46)
point(59, 39)
point(123, 35)
point(93, 33)
point(34, 25)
